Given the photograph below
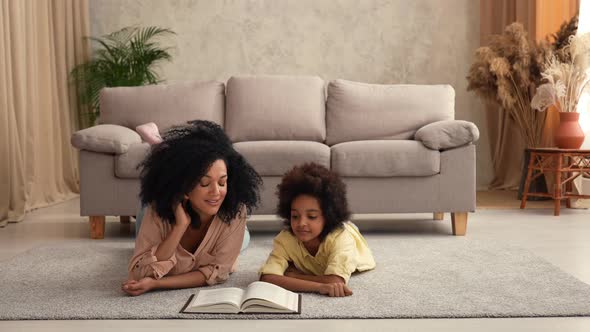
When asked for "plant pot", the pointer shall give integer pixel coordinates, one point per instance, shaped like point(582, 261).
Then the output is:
point(537, 185)
point(569, 134)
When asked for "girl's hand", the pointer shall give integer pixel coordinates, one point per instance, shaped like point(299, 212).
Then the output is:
point(135, 288)
point(182, 218)
point(335, 290)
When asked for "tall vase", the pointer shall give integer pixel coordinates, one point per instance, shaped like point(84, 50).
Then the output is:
point(569, 134)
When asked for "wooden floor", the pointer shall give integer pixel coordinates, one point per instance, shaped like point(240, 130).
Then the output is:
point(508, 199)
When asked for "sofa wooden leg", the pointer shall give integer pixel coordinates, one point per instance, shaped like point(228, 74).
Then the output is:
point(125, 219)
point(97, 224)
point(459, 223)
point(438, 215)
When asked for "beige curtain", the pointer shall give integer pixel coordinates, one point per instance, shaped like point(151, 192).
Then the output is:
point(40, 42)
point(539, 17)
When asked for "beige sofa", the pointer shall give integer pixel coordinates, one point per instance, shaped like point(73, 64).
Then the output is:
point(397, 147)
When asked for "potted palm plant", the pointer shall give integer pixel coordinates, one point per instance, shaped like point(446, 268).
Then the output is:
point(127, 57)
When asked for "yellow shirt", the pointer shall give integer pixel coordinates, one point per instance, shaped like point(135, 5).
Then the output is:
point(342, 252)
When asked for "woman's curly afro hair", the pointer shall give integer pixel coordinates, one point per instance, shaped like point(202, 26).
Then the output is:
point(176, 165)
point(317, 181)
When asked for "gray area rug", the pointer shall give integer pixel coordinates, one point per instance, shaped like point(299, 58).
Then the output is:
point(416, 277)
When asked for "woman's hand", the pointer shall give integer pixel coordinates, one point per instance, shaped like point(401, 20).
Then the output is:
point(181, 216)
point(135, 288)
point(335, 290)
point(167, 247)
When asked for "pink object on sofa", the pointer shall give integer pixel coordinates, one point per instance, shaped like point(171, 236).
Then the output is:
point(149, 133)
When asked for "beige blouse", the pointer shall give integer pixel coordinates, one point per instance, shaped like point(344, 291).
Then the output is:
point(215, 257)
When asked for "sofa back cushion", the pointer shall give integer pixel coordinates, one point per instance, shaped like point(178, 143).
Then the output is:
point(274, 108)
point(165, 105)
point(360, 111)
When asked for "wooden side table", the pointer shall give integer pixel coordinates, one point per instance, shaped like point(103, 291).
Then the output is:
point(566, 164)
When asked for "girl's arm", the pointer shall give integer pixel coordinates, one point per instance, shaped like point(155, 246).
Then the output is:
point(292, 284)
point(299, 285)
point(329, 279)
point(278, 263)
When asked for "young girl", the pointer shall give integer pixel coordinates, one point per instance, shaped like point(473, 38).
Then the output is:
point(197, 191)
point(320, 248)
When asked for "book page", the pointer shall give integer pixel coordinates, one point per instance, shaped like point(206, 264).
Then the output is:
point(208, 297)
point(271, 293)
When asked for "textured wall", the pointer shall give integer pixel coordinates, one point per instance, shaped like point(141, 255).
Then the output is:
point(376, 41)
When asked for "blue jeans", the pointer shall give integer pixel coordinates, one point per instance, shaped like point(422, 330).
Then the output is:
point(141, 212)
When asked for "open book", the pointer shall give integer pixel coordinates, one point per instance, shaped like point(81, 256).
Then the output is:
point(258, 297)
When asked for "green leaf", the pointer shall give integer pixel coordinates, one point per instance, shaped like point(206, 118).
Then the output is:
point(126, 57)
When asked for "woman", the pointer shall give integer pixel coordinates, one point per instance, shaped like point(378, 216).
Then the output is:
point(198, 191)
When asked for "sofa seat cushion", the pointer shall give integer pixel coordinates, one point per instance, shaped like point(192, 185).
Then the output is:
point(384, 159)
point(126, 163)
point(274, 158)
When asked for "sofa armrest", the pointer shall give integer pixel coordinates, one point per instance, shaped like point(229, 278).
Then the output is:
point(448, 134)
point(106, 138)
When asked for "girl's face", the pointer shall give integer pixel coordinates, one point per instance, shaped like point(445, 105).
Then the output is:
point(207, 196)
point(307, 220)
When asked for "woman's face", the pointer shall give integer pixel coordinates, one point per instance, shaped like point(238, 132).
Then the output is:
point(207, 196)
point(307, 220)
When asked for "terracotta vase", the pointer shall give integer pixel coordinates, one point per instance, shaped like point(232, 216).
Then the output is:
point(569, 134)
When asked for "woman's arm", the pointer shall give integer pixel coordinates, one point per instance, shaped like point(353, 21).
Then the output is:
point(185, 280)
point(299, 285)
point(155, 247)
point(168, 246)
